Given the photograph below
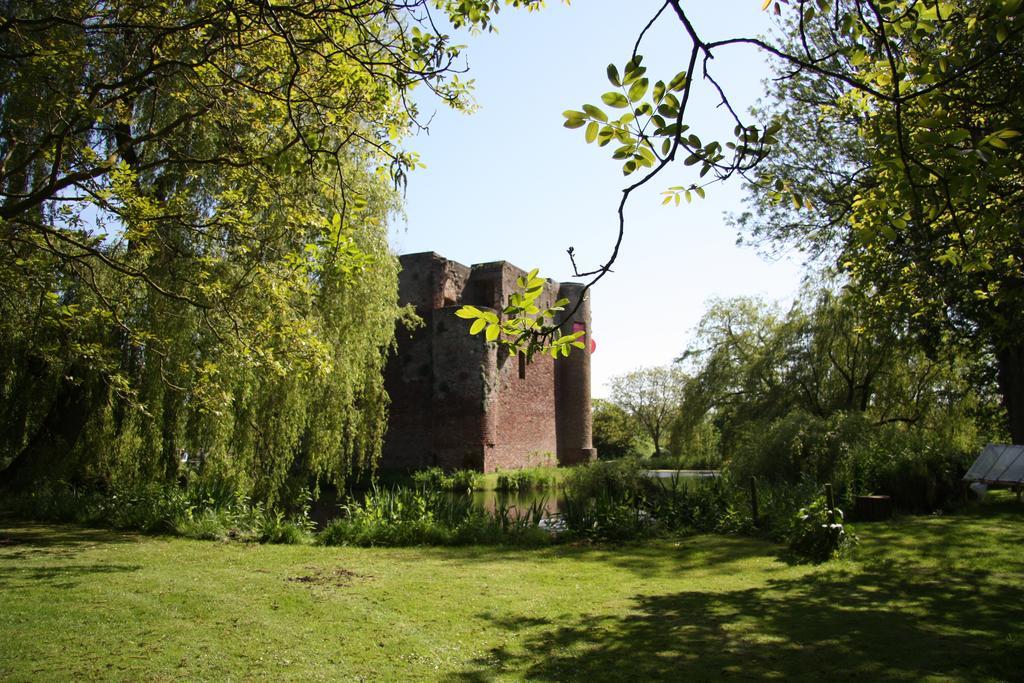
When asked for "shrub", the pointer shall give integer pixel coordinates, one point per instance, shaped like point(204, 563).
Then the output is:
point(615, 433)
point(403, 516)
point(200, 508)
point(818, 532)
point(435, 479)
point(531, 479)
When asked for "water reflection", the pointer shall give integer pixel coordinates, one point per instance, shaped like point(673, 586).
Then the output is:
point(517, 502)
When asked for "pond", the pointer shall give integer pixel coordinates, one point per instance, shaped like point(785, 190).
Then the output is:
point(516, 502)
point(551, 499)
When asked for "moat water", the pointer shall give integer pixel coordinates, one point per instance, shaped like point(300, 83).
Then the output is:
point(517, 503)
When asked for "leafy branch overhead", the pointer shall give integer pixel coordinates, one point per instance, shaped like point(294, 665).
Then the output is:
point(930, 87)
point(650, 131)
point(524, 327)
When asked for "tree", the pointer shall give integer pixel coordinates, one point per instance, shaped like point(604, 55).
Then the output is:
point(652, 397)
point(922, 109)
point(193, 207)
point(918, 197)
point(615, 432)
point(794, 391)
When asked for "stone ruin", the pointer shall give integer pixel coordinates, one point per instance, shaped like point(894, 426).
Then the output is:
point(458, 402)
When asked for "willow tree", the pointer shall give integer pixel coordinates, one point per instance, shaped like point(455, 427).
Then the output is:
point(193, 208)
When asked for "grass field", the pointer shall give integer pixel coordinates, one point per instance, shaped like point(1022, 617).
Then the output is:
point(938, 598)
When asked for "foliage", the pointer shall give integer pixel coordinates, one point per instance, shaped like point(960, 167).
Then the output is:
point(819, 533)
point(695, 446)
point(651, 132)
point(522, 326)
point(405, 516)
point(193, 209)
point(652, 397)
point(827, 392)
point(208, 509)
point(617, 500)
point(532, 479)
point(904, 138)
point(459, 481)
point(615, 435)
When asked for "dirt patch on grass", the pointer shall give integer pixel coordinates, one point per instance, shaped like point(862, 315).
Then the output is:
point(338, 577)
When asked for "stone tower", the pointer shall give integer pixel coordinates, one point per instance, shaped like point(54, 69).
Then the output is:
point(458, 402)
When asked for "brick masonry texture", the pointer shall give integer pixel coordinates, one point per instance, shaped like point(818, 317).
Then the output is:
point(458, 402)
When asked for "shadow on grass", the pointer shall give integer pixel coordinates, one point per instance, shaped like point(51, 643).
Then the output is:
point(27, 543)
point(929, 596)
point(989, 535)
point(878, 624)
point(64, 576)
point(19, 535)
point(648, 559)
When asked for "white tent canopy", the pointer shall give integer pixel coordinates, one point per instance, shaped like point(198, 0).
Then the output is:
point(998, 464)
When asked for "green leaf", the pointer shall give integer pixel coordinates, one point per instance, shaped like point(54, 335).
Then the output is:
point(595, 113)
point(574, 123)
point(678, 82)
point(591, 133)
point(638, 90)
point(468, 312)
point(492, 332)
point(659, 91)
point(613, 75)
point(477, 325)
point(613, 99)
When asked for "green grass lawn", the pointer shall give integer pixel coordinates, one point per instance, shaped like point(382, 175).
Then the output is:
point(938, 598)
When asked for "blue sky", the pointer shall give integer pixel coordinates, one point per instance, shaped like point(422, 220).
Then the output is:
point(510, 183)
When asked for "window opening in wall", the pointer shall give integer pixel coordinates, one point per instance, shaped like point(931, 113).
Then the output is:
point(485, 294)
point(522, 365)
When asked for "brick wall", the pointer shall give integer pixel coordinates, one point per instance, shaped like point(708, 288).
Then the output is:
point(458, 402)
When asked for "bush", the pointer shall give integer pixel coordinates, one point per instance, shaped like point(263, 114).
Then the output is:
point(818, 532)
point(616, 500)
point(435, 479)
point(615, 433)
point(403, 516)
point(536, 479)
point(199, 508)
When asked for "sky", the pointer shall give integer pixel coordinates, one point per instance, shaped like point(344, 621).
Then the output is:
point(509, 182)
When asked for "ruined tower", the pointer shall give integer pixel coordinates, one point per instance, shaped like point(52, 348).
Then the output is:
point(458, 402)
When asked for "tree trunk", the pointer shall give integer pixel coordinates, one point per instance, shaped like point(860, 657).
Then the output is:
point(1010, 376)
point(79, 395)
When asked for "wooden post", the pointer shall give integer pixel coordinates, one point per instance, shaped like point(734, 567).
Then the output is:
point(830, 497)
point(753, 500)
